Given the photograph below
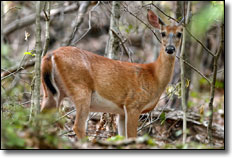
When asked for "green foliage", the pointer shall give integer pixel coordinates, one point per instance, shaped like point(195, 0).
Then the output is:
point(149, 140)
point(212, 13)
point(115, 138)
point(203, 82)
point(13, 121)
point(190, 104)
point(5, 50)
point(176, 89)
point(194, 94)
point(29, 53)
point(219, 84)
point(128, 28)
point(19, 133)
point(182, 146)
point(162, 117)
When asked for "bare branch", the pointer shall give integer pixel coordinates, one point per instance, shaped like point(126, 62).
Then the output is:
point(195, 69)
point(185, 28)
point(212, 86)
point(15, 69)
point(68, 113)
point(211, 53)
point(30, 19)
point(90, 17)
point(126, 9)
point(79, 19)
point(122, 43)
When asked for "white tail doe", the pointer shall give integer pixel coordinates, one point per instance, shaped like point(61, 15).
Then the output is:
point(98, 84)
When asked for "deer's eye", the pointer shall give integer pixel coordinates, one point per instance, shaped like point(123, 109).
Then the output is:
point(179, 35)
point(163, 34)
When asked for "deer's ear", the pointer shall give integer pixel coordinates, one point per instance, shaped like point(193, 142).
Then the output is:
point(153, 19)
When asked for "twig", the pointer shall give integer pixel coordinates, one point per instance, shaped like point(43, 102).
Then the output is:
point(185, 28)
point(122, 43)
point(219, 71)
point(65, 115)
point(30, 19)
point(90, 17)
point(126, 9)
point(195, 69)
point(79, 19)
point(151, 122)
point(15, 69)
point(199, 42)
point(212, 86)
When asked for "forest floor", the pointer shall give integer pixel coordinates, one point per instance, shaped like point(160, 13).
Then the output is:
point(160, 129)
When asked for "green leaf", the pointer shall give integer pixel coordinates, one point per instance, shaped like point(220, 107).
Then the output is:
point(203, 81)
point(29, 53)
point(130, 27)
point(187, 83)
point(162, 117)
point(115, 138)
point(151, 142)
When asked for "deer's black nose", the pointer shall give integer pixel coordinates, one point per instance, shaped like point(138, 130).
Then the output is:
point(170, 49)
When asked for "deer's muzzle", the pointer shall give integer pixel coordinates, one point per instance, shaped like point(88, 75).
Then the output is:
point(170, 49)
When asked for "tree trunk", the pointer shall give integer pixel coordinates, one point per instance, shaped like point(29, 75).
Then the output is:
point(212, 86)
point(36, 91)
point(182, 75)
point(47, 19)
point(112, 47)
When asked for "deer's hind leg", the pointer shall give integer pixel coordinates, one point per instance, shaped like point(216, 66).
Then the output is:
point(81, 98)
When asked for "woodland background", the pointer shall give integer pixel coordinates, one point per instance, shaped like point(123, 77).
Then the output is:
point(87, 25)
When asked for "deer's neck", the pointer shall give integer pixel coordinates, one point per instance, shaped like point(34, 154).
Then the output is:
point(163, 68)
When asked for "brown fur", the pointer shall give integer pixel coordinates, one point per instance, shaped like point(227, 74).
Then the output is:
point(80, 74)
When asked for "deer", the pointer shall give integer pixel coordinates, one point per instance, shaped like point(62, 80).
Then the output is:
point(98, 84)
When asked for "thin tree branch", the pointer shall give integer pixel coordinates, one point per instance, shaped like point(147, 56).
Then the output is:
point(122, 43)
point(15, 69)
point(90, 17)
point(68, 113)
point(195, 69)
point(79, 19)
point(126, 9)
point(30, 19)
point(212, 86)
point(211, 53)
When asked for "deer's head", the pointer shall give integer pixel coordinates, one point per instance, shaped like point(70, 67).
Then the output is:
point(170, 34)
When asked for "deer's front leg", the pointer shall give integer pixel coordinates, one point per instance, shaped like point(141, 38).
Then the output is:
point(132, 118)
